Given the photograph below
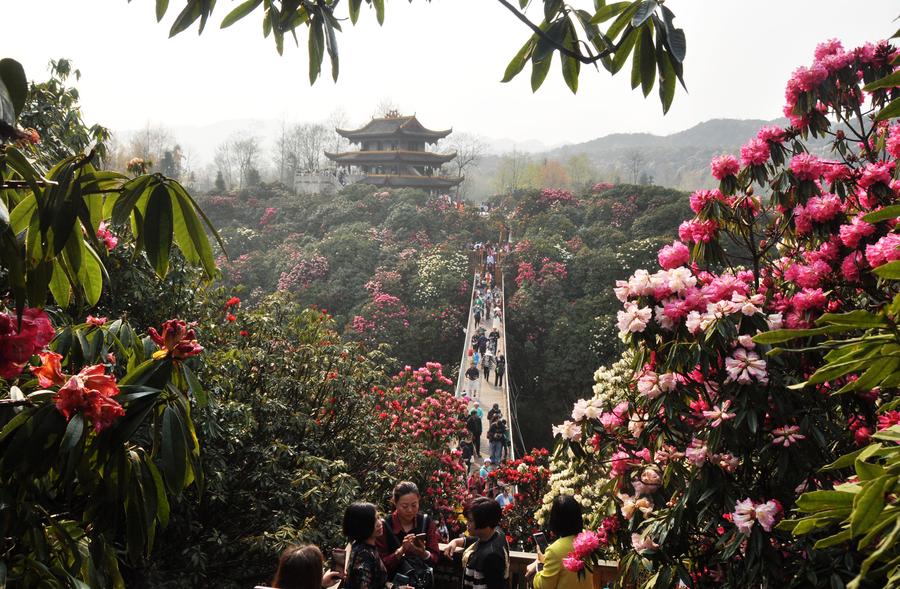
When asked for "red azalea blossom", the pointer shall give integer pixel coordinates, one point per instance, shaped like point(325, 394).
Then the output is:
point(49, 373)
point(19, 343)
point(176, 341)
point(231, 318)
point(89, 392)
point(232, 302)
point(96, 321)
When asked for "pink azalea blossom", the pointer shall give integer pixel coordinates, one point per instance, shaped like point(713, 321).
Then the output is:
point(700, 198)
point(892, 143)
point(744, 516)
point(743, 366)
point(774, 134)
point(755, 152)
point(767, 514)
point(806, 167)
point(884, 250)
point(698, 231)
point(787, 435)
point(642, 543)
point(633, 319)
point(719, 414)
point(724, 166)
point(697, 453)
point(585, 543)
point(876, 172)
point(673, 256)
point(573, 564)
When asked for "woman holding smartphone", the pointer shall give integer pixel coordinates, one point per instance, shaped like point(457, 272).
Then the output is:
point(362, 526)
point(410, 542)
point(565, 522)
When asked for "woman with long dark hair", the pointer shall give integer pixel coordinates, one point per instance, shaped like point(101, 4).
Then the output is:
point(301, 567)
point(402, 546)
point(362, 526)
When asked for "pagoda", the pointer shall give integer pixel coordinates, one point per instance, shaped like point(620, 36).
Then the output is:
point(392, 153)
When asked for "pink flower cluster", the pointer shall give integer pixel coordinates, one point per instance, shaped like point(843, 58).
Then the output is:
point(724, 166)
point(553, 196)
point(673, 256)
point(746, 513)
point(108, 238)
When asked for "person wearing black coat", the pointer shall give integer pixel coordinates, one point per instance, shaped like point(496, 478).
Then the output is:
point(473, 424)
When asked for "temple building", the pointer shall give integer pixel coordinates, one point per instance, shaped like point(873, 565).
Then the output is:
point(392, 153)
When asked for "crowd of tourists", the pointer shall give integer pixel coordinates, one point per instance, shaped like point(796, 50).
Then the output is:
point(399, 550)
point(485, 352)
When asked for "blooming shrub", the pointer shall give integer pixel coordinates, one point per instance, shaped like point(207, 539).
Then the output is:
point(717, 434)
point(424, 420)
point(527, 477)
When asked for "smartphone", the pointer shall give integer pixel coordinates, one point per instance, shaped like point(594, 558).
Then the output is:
point(339, 559)
point(540, 540)
point(400, 580)
point(421, 537)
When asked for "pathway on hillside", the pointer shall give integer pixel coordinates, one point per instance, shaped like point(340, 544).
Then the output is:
point(488, 393)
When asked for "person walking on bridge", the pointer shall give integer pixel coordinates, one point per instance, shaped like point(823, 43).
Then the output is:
point(487, 364)
point(473, 424)
point(472, 382)
point(499, 370)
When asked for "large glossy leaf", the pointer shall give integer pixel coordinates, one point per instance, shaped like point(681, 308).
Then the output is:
point(539, 71)
point(571, 67)
point(666, 78)
point(648, 60)
point(240, 12)
point(675, 38)
point(518, 61)
point(890, 81)
point(891, 270)
point(607, 12)
point(161, 7)
point(172, 460)
point(189, 234)
point(643, 12)
point(624, 51)
point(890, 111)
point(186, 17)
point(158, 229)
point(12, 78)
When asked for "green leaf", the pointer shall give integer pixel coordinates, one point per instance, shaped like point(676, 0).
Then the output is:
point(889, 81)
point(839, 538)
point(240, 12)
point(666, 79)
point(195, 387)
point(379, 10)
point(571, 67)
point(885, 214)
point(648, 60)
point(90, 274)
point(646, 8)
point(189, 234)
point(675, 38)
point(12, 76)
point(161, 7)
point(172, 456)
point(782, 335)
point(821, 500)
point(316, 50)
point(624, 50)
point(354, 10)
point(539, 71)
point(186, 17)
point(518, 61)
point(868, 504)
point(607, 12)
point(158, 229)
point(71, 440)
point(890, 271)
point(890, 111)
point(858, 318)
point(59, 286)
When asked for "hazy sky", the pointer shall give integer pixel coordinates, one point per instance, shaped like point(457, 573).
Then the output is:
point(442, 60)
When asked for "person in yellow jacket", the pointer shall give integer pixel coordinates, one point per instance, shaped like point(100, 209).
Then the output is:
point(565, 522)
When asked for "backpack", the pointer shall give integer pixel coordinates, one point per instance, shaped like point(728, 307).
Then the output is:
point(421, 575)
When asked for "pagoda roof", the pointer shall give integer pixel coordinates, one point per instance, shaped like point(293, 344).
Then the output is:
point(411, 181)
point(366, 157)
point(391, 127)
